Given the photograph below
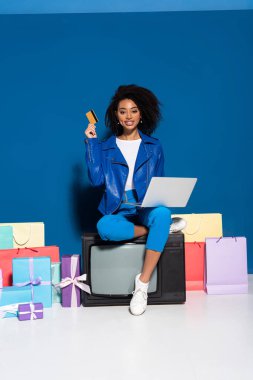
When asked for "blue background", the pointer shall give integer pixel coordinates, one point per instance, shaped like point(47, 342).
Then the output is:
point(87, 6)
point(54, 68)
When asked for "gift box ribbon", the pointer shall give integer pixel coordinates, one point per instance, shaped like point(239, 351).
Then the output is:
point(74, 281)
point(33, 281)
point(32, 311)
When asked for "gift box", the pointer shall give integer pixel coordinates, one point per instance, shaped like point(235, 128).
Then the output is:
point(6, 237)
point(194, 265)
point(56, 278)
point(30, 311)
point(7, 255)
point(10, 297)
point(226, 265)
point(34, 273)
point(27, 234)
point(9, 311)
point(71, 283)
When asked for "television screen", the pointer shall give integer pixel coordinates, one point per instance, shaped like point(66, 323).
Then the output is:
point(113, 269)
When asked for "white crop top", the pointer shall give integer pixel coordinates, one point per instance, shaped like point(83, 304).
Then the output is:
point(129, 149)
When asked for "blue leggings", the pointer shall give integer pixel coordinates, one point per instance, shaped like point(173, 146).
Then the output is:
point(120, 225)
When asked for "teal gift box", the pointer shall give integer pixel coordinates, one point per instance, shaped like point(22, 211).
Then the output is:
point(10, 297)
point(56, 278)
point(6, 237)
point(34, 273)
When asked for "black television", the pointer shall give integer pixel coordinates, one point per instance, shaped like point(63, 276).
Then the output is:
point(111, 268)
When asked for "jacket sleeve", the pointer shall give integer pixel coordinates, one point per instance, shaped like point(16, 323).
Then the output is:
point(160, 164)
point(93, 158)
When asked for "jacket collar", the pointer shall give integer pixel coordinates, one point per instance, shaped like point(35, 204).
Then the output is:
point(142, 156)
point(147, 139)
point(111, 142)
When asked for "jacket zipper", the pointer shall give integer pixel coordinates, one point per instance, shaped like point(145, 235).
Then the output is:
point(147, 169)
point(123, 192)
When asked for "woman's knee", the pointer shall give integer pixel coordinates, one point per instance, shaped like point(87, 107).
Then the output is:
point(104, 227)
point(161, 214)
point(112, 227)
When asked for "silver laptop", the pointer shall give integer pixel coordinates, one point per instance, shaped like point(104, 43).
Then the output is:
point(168, 192)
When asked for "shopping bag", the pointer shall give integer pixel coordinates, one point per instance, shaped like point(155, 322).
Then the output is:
point(6, 256)
point(200, 226)
point(27, 234)
point(194, 265)
point(6, 237)
point(226, 265)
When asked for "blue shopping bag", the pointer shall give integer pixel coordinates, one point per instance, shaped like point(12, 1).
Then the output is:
point(6, 237)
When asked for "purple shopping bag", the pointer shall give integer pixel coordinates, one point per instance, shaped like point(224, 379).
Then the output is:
point(226, 265)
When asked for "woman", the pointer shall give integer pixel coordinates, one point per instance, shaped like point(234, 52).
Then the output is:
point(124, 165)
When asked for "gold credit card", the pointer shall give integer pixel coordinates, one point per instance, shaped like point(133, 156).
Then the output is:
point(91, 116)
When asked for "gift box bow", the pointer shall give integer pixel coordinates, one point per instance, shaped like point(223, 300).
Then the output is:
point(32, 310)
point(75, 281)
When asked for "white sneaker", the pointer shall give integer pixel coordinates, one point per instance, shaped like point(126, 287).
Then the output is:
point(139, 301)
point(178, 224)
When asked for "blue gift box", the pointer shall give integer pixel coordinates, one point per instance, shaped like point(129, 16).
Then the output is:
point(6, 237)
point(56, 278)
point(10, 295)
point(34, 273)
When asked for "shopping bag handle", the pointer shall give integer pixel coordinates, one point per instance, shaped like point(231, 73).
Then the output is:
point(232, 237)
point(26, 241)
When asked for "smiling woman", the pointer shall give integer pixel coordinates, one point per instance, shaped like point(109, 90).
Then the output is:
point(136, 102)
point(129, 117)
point(124, 165)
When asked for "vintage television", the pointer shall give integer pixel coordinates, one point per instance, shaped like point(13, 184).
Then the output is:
point(111, 268)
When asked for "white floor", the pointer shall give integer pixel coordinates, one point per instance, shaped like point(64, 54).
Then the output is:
point(207, 338)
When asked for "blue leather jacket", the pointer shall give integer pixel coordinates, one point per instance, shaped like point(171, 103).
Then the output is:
point(107, 167)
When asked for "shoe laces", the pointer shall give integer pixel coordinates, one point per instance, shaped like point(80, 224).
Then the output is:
point(139, 295)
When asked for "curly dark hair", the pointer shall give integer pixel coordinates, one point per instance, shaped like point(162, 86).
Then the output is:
point(147, 103)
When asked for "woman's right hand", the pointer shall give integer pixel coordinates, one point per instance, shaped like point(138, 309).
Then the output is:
point(90, 132)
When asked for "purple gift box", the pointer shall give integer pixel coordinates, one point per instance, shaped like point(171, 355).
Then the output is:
point(69, 271)
point(29, 311)
point(72, 282)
